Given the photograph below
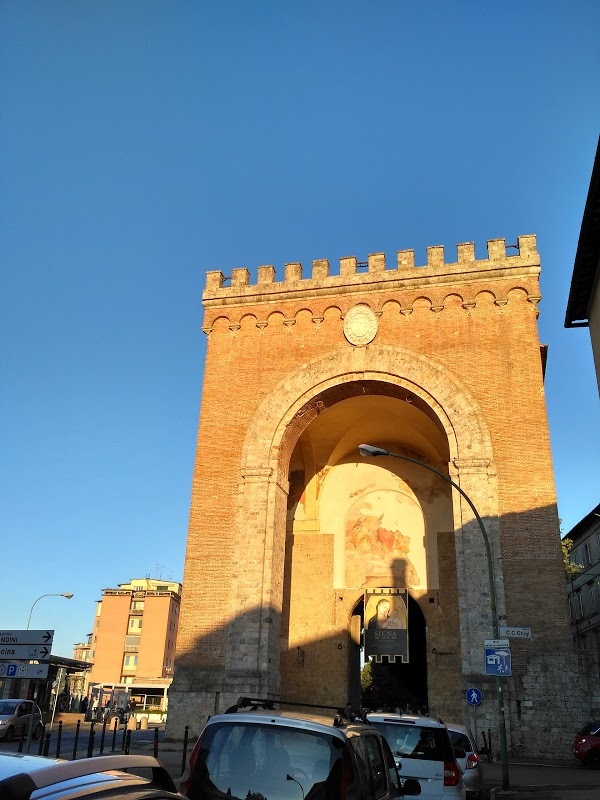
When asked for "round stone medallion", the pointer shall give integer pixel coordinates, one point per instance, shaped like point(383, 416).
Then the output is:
point(360, 325)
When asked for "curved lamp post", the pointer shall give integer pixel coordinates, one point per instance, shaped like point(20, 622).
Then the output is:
point(368, 451)
point(68, 595)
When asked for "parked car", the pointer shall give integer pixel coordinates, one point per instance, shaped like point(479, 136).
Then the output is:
point(15, 715)
point(586, 745)
point(262, 753)
point(422, 750)
point(470, 764)
point(26, 777)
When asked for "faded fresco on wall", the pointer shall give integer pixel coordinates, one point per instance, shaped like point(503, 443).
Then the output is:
point(384, 538)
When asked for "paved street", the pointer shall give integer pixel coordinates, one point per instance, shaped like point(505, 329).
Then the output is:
point(531, 781)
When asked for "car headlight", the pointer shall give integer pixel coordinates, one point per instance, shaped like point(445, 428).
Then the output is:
point(2, 722)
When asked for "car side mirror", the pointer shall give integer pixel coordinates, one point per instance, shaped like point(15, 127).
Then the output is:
point(460, 752)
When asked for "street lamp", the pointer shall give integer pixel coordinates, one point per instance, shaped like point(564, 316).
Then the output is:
point(369, 450)
point(68, 595)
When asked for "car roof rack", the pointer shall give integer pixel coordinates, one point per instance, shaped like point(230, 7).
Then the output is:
point(22, 786)
point(343, 715)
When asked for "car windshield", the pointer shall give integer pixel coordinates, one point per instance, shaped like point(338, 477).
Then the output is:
point(8, 708)
point(415, 741)
point(591, 728)
point(266, 762)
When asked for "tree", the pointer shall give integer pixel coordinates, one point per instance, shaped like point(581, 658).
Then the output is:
point(571, 568)
point(366, 677)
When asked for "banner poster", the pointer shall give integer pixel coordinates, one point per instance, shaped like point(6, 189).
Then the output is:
point(386, 624)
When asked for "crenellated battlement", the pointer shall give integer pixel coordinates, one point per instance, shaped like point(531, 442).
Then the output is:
point(374, 273)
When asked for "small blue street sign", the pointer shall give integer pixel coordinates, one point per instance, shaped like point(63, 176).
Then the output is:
point(497, 661)
point(11, 670)
point(473, 696)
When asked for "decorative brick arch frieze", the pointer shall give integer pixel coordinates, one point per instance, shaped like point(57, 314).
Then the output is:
point(263, 489)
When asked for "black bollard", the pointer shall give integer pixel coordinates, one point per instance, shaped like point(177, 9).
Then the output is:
point(185, 746)
point(127, 742)
point(46, 744)
point(41, 744)
point(116, 725)
point(21, 740)
point(58, 739)
point(124, 737)
point(90, 749)
point(102, 737)
point(76, 742)
point(155, 742)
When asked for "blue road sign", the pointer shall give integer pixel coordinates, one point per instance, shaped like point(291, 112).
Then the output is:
point(473, 696)
point(497, 661)
point(11, 670)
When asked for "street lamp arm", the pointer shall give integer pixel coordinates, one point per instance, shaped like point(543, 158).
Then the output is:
point(67, 595)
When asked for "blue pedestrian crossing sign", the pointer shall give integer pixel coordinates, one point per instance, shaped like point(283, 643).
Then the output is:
point(473, 696)
point(497, 661)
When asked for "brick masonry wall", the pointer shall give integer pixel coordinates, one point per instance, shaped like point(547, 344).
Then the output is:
point(463, 338)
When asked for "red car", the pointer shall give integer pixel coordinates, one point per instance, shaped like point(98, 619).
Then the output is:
point(586, 745)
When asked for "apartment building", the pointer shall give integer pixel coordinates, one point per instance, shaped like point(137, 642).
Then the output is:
point(133, 641)
point(78, 681)
point(584, 588)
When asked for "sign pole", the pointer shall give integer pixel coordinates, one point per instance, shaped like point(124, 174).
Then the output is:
point(32, 716)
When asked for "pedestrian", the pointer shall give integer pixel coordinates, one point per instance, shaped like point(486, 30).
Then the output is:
point(84, 706)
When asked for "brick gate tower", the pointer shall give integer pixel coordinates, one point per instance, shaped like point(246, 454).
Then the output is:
point(289, 526)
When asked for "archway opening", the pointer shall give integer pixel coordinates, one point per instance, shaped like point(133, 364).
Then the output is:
point(353, 524)
point(391, 685)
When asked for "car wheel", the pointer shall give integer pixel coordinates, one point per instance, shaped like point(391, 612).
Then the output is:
point(592, 759)
point(37, 732)
point(10, 732)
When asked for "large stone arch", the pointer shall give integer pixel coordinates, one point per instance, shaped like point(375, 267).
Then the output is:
point(263, 489)
point(443, 392)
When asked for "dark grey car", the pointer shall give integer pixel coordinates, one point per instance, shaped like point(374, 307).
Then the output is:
point(15, 715)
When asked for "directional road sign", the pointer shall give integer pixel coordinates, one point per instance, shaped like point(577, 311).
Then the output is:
point(473, 696)
point(497, 661)
point(39, 671)
point(515, 631)
point(27, 637)
point(25, 652)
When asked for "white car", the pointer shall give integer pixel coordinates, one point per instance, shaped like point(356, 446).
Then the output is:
point(462, 738)
point(25, 777)
point(422, 750)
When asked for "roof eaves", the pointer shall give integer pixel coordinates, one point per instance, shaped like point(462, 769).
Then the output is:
point(587, 258)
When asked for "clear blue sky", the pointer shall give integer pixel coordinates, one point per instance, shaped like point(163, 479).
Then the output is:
point(146, 142)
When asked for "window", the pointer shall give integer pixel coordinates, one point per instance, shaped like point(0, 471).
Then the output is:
point(253, 760)
point(377, 766)
point(135, 623)
point(130, 661)
point(586, 557)
point(593, 598)
point(578, 605)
